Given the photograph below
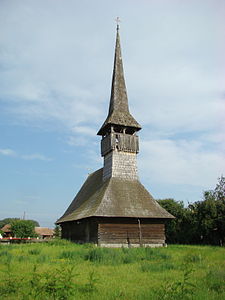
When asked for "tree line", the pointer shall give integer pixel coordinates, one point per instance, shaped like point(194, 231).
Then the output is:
point(202, 222)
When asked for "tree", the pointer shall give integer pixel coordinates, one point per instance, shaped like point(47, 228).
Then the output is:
point(174, 227)
point(219, 194)
point(7, 221)
point(57, 231)
point(23, 228)
point(36, 224)
point(10, 220)
point(209, 216)
point(204, 214)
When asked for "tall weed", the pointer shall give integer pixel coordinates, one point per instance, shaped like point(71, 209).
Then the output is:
point(34, 288)
point(215, 280)
point(10, 283)
point(155, 267)
point(180, 289)
point(34, 251)
point(5, 257)
point(43, 258)
point(59, 283)
point(155, 254)
point(90, 286)
point(193, 258)
point(104, 256)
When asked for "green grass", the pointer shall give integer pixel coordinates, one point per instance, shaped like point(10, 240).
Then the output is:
point(63, 270)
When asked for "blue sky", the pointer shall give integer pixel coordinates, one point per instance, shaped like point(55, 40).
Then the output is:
point(55, 76)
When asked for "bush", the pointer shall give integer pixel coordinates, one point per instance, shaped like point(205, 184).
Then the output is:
point(58, 283)
point(23, 228)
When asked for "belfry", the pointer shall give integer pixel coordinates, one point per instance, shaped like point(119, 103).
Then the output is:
point(112, 207)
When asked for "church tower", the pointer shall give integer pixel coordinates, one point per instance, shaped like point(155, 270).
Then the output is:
point(113, 208)
point(119, 144)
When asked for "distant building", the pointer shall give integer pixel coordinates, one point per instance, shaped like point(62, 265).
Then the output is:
point(42, 232)
point(112, 207)
point(6, 229)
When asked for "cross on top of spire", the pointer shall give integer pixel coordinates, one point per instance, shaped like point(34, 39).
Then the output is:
point(118, 21)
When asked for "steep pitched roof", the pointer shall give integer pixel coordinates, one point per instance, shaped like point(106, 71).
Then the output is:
point(113, 198)
point(118, 108)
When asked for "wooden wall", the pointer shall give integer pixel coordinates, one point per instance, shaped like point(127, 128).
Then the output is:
point(115, 231)
point(82, 231)
point(129, 234)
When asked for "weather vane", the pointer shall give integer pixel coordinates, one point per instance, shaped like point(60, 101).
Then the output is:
point(118, 21)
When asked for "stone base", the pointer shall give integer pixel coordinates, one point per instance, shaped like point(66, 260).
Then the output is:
point(132, 245)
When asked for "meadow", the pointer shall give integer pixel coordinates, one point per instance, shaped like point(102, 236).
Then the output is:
point(63, 270)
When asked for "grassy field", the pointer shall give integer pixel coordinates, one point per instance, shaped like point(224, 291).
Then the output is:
point(63, 270)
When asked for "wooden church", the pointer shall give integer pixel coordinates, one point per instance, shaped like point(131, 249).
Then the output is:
point(113, 208)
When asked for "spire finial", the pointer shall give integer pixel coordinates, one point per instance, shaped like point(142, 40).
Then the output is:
point(117, 23)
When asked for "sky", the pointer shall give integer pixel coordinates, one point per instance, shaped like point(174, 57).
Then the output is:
point(56, 60)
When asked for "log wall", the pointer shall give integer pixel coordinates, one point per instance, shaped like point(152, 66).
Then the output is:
point(133, 233)
point(82, 231)
point(116, 232)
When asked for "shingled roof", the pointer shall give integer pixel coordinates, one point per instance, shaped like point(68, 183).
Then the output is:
point(45, 231)
point(113, 198)
point(6, 228)
point(118, 108)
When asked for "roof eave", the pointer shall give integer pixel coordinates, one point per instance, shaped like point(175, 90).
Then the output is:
point(119, 216)
point(106, 126)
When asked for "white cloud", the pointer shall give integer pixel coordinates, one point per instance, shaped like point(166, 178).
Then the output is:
point(216, 138)
point(180, 162)
point(21, 202)
point(81, 136)
point(86, 130)
point(77, 141)
point(7, 152)
point(35, 156)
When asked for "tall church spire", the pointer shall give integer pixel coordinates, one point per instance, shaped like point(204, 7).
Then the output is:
point(118, 100)
point(118, 108)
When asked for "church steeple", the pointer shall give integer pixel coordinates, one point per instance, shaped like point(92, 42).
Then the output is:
point(119, 144)
point(118, 114)
point(118, 100)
